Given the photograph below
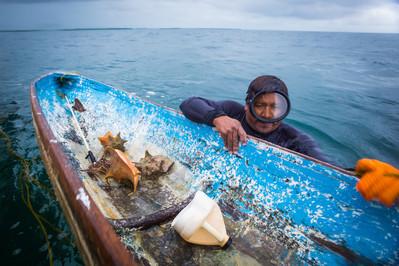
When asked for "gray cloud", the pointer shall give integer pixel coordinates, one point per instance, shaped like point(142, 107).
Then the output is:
point(337, 15)
point(302, 9)
point(42, 1)
point(306, 9)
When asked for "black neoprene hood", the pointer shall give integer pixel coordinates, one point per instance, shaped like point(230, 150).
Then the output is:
point(265, 84)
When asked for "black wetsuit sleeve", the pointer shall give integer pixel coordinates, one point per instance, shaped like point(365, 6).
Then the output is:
point(293, 139)
point(204, 111)
point(306, 145)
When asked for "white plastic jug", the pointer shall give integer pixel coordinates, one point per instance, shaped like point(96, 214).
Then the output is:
point(201, 222)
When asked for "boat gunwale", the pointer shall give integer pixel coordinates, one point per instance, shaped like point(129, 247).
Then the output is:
point(104, 245)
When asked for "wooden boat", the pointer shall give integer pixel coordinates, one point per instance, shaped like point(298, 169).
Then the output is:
point(280, 207)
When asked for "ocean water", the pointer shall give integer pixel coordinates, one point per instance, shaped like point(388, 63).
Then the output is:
point(344, 90)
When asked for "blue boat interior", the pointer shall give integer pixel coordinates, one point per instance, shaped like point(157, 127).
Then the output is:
point(278, 206)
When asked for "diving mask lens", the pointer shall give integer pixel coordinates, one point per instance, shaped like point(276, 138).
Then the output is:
point(270, 107)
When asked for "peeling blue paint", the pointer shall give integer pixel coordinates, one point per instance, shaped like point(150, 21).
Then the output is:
point(309, 198)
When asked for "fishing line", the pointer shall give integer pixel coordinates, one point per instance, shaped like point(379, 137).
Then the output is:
point(75, 120)
point(25, 179)
point(62, 81)
point(25, 190)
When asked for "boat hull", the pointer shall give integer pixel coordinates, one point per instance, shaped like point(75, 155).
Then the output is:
point(279, 206)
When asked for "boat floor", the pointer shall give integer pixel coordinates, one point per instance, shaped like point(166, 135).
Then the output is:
point(253, 243)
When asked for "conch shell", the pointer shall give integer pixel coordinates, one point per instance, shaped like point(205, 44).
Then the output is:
point(116, 142)
point(115, 164)
point(154, 166)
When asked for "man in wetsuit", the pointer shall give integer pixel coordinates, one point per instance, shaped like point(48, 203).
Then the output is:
point(266, 105)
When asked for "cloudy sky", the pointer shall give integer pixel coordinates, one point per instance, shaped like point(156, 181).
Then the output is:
point(313, 15)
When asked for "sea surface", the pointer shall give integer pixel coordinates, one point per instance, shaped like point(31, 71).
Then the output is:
point(344, 90)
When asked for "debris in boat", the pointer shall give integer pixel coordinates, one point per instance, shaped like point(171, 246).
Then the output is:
point(342, 250)
point(202, 223)
point(115, 164)
point(108, 140)
point(73, 136)
point(154, 166)
point(156, 218)
point(99, 169)
point(78, 106)
point(66, 80)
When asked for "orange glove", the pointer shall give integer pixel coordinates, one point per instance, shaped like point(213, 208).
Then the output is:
point(379, 180)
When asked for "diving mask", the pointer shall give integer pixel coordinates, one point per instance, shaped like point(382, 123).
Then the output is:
point(269, 107)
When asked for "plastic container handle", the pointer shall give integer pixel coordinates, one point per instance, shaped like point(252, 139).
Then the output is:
point(213, 231)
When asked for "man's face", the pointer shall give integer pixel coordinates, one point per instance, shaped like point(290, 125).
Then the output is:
point(266, 106)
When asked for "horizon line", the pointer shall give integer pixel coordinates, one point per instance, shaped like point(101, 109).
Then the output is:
point(180, 28)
